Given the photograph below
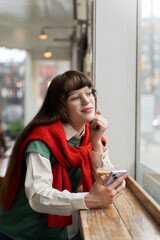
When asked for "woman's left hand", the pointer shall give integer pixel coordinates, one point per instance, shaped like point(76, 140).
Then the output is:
point(97, 128)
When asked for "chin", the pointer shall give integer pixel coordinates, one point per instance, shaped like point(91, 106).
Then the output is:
point(90, 118)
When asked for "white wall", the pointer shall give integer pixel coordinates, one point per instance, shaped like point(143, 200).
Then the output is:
point(114, 72)
point(31, 99)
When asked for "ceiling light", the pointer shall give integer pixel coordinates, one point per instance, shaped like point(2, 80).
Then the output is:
point(49, 50)
point(47, 54)
point(43, 35)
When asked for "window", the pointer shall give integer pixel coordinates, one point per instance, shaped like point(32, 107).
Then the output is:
point(148, 102)
point(12, 77)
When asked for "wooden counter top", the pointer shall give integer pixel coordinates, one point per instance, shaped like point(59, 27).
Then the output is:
point(134, 215)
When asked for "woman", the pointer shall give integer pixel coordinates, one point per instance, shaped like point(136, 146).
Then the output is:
point(56, 153)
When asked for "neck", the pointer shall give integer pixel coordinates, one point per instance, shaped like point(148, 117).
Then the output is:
point(79, 130)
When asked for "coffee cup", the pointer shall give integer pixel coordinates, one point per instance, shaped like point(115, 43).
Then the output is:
point(102, 171)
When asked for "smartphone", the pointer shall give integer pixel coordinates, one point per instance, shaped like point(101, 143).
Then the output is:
point(114, 175)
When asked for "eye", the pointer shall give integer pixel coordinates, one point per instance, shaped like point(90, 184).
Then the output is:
point(89, 91)
point(74, 97)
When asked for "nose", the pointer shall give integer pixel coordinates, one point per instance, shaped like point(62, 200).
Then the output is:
point(84, 99)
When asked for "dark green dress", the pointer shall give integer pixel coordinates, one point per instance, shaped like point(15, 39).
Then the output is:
point(21, 222)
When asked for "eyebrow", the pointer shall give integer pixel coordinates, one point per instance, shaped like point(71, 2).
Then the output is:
point(74, 91)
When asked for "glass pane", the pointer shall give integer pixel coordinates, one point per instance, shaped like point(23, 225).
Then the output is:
point(12, 81)
point(148, 161)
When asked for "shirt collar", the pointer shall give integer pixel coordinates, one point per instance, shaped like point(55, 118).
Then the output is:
point(69, 131)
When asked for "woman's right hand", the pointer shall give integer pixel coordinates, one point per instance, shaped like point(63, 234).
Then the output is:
point(101, 196)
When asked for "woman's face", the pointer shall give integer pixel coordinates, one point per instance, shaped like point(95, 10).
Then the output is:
point(81, 107)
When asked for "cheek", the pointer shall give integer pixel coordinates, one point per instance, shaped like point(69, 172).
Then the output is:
point(68, 106)
point(71, 111)
point(94, 104)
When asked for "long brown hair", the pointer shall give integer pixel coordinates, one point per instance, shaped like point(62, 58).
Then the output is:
point(52, 110)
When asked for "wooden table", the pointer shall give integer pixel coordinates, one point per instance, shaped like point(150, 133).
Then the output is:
point(134, 215)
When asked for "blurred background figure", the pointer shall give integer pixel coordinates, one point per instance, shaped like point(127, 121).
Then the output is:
point(3, 144)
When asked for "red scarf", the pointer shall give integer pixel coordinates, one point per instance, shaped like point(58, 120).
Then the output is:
point(54, 136)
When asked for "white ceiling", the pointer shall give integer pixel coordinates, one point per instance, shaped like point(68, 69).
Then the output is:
point(21, 22)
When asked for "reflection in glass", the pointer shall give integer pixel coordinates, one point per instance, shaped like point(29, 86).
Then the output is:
point(149, 99)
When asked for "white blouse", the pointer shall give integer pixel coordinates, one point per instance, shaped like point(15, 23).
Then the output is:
point(38, 183)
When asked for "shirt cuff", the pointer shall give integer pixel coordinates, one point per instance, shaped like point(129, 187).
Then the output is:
point(101, 159)
point(97, 158)
point(78, 201)
point(102, 155)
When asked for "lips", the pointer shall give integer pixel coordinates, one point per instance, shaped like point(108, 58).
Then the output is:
point(88, 110)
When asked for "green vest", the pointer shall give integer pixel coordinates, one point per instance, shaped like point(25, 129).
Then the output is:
point(21, 222)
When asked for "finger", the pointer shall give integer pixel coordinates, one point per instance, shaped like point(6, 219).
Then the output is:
point(118, 191)
point(102, 119)
point(98, 122)
point(94, 124)
point(117, 195)
point(99, 117)
point(91, 125)
point(98, 112)
point(99, 125)
point(103, 179)
point(122, 186)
